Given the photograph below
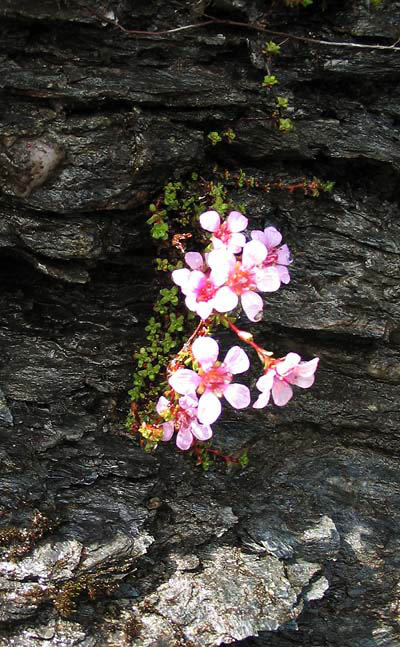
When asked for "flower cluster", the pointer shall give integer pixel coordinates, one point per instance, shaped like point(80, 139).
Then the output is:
point(232, 269)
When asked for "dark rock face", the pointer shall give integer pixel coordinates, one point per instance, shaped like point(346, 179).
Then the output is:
point(100, 543)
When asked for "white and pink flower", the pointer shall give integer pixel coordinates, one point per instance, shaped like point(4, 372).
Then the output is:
point(184, 419)
point(245, 279)
point(225, 234)
point(279, 379)
point(278, 257)
point(213, 379)
point(199, 285)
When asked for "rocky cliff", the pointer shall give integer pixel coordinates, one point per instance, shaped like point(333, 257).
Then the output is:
point(102, 544)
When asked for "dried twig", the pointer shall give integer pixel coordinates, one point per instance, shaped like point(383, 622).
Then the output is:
point(235, 23)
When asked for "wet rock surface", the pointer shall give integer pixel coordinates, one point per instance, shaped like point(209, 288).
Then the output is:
point(100, 543)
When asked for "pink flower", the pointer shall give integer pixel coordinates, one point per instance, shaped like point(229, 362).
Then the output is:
point(225, 234)
point(278, 257)
point(279, 378)
point(184, 419)
point(245, 278)
point(213, 379)
point(199, 287)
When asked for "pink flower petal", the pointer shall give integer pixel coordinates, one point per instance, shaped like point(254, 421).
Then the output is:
point(205, 350)
point(262, 400)
point(162, 405)
point(237, 241)
point(202, 432)
point(236, 221)
point(284, 255)
point(210, 220)
point(221, 261)
point(252, 304)
point(184, 381)
point(300, 380)
point(180, 277)
point(236, 360)
point(168, 430)
point(184, 439)
point(308, 368)
point(234, 245)
point(281, 392)
point(188, 402)
point(225, 300)
point(272, 237)
point(256, 234)
point(283, 273)
point(219, 275)
point(195, 279)
point(194, 260)
point(265, 382)
point(238, 395)
point(288, 363)
point(254, 253)
point(191, 302)
point(267, 279)
point(204, 309)
point(209, 408)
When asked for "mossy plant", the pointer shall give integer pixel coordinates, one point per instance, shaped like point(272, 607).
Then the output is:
point(282, 122)
point(65, 596)
point(18, 542)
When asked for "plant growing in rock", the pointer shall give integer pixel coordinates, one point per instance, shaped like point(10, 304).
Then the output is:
point(269, 83)
point(231, 272)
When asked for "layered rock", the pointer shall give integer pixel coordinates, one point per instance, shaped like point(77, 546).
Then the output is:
point(102, 544)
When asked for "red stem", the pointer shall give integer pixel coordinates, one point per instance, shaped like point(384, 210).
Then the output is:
point(260, 351)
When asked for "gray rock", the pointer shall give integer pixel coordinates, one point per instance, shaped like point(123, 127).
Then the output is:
point(101, 544)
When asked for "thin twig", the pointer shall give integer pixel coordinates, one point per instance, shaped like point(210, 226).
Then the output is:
point(313, 41)
point(235, 23)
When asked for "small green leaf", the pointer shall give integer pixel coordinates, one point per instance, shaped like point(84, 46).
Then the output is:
point(214, 137)
point(271, 48)
point(269, 81)
point(282, 102)
point(285, 125)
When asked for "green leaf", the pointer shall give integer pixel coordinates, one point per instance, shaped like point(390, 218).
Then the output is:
point(269, 81)
point(214, 137)
point(271, 48)
point(281, 102)
point(285, 125)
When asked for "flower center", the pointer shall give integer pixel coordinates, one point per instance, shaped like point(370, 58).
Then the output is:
point(206, 290)
point(272, 258)
point(223, 233)
point(215, 379)
point(241, 280)
point(183, 419)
